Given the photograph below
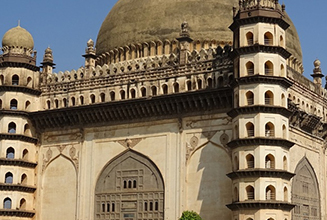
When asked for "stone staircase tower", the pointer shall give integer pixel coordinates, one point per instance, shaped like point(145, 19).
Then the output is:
point(260, 118)
point(19, 92)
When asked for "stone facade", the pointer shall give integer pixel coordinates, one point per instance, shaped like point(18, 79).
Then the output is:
point(149, 130)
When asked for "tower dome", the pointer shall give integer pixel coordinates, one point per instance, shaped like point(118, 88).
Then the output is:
point(18, 37)
point(137, 21)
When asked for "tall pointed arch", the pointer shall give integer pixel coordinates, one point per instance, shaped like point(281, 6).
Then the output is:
point(129, 187)
point(305, 192)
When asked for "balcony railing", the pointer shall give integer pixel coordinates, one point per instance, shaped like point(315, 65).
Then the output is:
point(250, 72)
point(271, 196)
point(250, 195)
point(268, 72)
point(270, 133)
point(269, 42)
point(268, 101)
point(250, 133)
point(250, 164)
point(250, 42)
point(250, 101)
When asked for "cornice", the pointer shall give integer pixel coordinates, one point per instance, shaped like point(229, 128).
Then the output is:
point(256, 172)
point(137, 110)
point(254, 109)
point(256, 141)
point(22, 89)
point(18, 137)
point(17, 187)
point(255, 204)
point(17, 213)
point(17, 162)
point(258, 48)
point(262, 79)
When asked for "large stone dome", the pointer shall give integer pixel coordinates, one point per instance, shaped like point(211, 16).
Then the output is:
point(138, 21)
point(18, 37)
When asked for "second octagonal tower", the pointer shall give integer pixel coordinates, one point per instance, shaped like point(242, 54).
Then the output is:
point(261, 177)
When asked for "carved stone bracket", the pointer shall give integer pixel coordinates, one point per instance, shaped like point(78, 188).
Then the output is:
point(130, 143)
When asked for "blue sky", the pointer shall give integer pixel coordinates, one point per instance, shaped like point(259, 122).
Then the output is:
point(66, 26)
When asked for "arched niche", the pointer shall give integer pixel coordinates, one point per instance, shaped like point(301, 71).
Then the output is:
point(115, 197)
point(59, 193)
point(305, 192)
point(208, 187)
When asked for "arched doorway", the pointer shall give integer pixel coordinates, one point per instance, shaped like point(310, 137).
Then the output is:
point(130, 187)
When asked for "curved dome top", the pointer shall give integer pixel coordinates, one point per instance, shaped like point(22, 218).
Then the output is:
point(138, 21)
point(18, 37)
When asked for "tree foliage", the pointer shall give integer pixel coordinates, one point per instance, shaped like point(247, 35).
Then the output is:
point(190, 215)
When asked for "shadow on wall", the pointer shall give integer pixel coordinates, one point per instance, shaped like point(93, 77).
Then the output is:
point(209, 189)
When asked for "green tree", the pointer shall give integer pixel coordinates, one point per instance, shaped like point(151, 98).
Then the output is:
point(190, 215)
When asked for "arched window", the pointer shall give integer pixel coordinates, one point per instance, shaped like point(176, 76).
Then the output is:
point(27, 105)
point(164, 89)
point(269, 98)
point(113, 207)
point(249, 68)
point(281, 41)
point(108, 207)
point(13, 104)
point(270, 130)
point(154, 90)
point(12, 128)
point(48, 104)
point(236, 198)
point(250, 161)
point(145, 206)
point(112, 96)
point(102, 97)
point(269, 68)
point(284, 132)
point(125, 184)
point(122, 95)
point(210, 83)
point(29, 82)
point(81, 100)
point(250, 129)
point(129, 184)
point(23, 179)
point(2, 80)
point(189, 85)
point(269, 40)
point(103, 207)
point(285, 165)
point(92, 99)
point(0, 104)
point(73, 101)
point(9, 178)
point(134, 184)
point(25, 154)
point(250, 98)
point(156, 206)
point(7, 203)
point(270, 193)
point(133, 94)
point(284, 100)
point(22, 204)
point(249, 219)
point(270, 161)
point(151, 206)
point(220, 81)
point(249, 38)
point(199, 84)
point(56, 103)
point(176, 87)
point(249, 193)
point(27, 130)
point(236, 135)
point(15, 80)
point(236, 162)
point(143, 91)
point(10, 154)
point(282, 70)
point(65, 102)
point(285, 194)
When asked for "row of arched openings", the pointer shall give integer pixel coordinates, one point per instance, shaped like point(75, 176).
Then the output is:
point(268, 39)
point(9, 177)
point(12, 129)
point(269, 162)
point(268, 71)
point(14, 104)
point(269, 98)
point(270, 193)
point(269, 130)
point(15, 80)
point(7, 204)
point(154, 91)
point(10, 153)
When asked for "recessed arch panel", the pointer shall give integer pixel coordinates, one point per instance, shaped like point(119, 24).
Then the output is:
point(305, 192)
point(127, 187)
